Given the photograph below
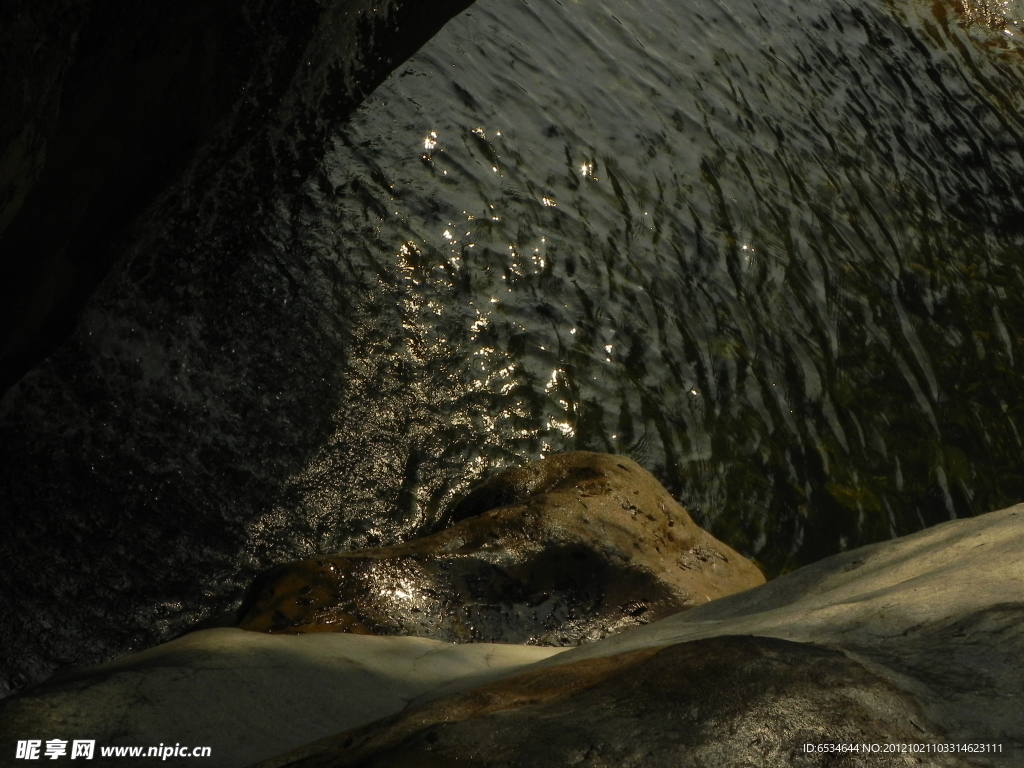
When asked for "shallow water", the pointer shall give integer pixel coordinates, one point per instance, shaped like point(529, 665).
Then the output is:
point(770, 251)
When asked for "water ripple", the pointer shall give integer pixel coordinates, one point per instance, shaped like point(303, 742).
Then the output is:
point(771, 253)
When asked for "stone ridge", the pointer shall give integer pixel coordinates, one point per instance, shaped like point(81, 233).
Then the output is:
point(738, 701)
point(563, 551)
point(918, 640)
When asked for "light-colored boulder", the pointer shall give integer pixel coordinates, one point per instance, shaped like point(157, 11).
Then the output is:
point(750, 702)
point(919, 640)
point(944, 606)
point(246, 695)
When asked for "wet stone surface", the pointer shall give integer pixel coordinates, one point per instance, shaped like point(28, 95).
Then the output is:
point(561, 551)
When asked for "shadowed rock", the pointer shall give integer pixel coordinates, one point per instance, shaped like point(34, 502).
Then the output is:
point(729, 701)
point(559, 552)
point(913, 641)
point(105, 103)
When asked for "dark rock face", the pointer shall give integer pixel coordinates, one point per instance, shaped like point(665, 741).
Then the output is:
point(561, 551)
point(153, 135)
point(725, 701)
point(106, 102)
point(37, 44)
point(130, 94)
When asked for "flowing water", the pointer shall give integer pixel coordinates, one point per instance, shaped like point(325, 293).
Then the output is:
point(770, 250)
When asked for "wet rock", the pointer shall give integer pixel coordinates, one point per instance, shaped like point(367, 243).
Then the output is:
point(161, 132)
point(562, 551)
point(105, 104)
point(247, 695)
point(943, 607)
point(912, 641)
point(730, 701)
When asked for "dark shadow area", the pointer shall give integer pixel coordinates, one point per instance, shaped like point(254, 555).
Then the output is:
point(151, 136)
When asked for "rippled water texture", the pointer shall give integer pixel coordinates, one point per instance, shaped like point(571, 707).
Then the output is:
point(772, 251)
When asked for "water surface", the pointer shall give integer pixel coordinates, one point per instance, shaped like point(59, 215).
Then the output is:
point(771, 251)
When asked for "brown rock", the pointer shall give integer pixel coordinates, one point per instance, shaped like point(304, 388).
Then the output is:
point(559, 552)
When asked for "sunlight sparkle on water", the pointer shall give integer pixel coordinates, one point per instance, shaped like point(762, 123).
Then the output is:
point(562, 426)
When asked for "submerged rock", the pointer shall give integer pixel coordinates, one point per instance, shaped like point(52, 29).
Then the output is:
point(246, 695)
point(913, 641)
point(562, 551)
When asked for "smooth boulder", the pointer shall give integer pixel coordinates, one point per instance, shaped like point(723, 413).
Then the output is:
point(246, 695)
point(731, 701)
point(915, 641)
point(562, 551)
